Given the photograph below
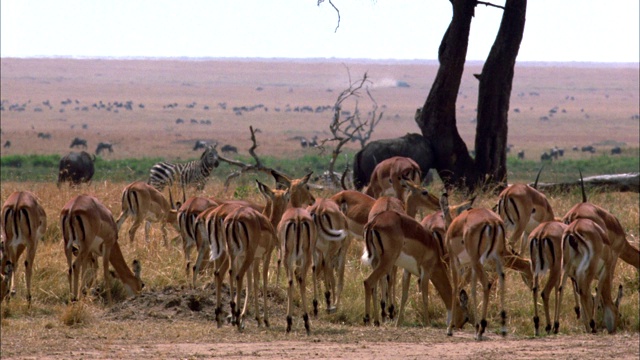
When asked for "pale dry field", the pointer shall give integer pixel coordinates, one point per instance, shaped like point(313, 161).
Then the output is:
point(161, 323)
point(595, 105)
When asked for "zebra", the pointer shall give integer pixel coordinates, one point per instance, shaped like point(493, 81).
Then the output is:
point(194, 172)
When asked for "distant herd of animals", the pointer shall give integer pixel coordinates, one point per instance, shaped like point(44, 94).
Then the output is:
point(451, 247)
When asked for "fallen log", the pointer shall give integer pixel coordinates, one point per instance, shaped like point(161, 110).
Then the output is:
point(629, 182)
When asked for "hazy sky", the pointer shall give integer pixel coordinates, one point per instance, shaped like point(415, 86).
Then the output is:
point(556, 30)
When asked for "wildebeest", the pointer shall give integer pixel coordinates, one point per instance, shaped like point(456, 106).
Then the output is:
point(104, 146)
point(46, 136)
point(521, 154)
point(616, 150)
point(588, 148)
point(199, 145)
point(412, 145)
point(229, 149)
point(78, 142)
point(76, 167)
point(545, 156)
point(7, 144)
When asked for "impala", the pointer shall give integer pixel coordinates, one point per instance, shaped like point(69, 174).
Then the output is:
point(88, 227)
point(358, 208)
point(187, 214)
point(143, 202)
point(297, 235)
point(388, 175)
point(610, 224)
point(587, 256)
point(545, 245)
point(23, 225)
point(473, 238)
point(251, 238)
point(522, 208)
point(395, 239)
point(331, 249)
point(207, 229)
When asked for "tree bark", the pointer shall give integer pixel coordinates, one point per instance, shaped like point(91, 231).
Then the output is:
point(438, 119)
point(494, 93)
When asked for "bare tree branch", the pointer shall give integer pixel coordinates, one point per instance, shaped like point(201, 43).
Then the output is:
point(354, 129)
point(257, 167)
point(489, 4)
point(337, 11)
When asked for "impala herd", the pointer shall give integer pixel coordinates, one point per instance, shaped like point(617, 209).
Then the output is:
point(451, 247)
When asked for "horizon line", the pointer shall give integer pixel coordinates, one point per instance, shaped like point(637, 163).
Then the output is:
point(311, 59)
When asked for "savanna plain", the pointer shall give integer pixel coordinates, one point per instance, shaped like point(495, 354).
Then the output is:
point(160, 108)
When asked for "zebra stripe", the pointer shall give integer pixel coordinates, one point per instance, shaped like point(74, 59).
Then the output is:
point(194, 172)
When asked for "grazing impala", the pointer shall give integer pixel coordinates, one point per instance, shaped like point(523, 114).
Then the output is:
point(23, 225)
point(588, 256)
point(610, 224)
point(144, 203)
point(473, 238)
point(251, 238)
point(395, 239)
point(388, 175)
point(331, 249)
point(522, 208)
point(88, 227)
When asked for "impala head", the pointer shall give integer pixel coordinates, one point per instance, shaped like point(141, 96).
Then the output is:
point(300, 192)
point(277, 199)
point(5, 280)
point(137, 270)
point(420, 195)
point(462, 313)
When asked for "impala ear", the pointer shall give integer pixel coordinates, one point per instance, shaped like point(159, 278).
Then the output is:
point(282, 181)
point(306, 178)
point(264, 189)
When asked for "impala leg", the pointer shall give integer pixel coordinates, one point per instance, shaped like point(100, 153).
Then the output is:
point(536, 318)
point(107, 276)
point(454, 282)
point(371, 292)
point(265, 281)
point(198, 264)
point(147, 229)
point(501, 281)
point(406, 279)
point(132, 230)
point(559, 291)
point(28, 265)
point(290, 276)
point(341, 266)
point(221, 267)
point(478, 274)
point(302, 280)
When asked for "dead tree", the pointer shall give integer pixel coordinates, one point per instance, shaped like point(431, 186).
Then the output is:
point(352, 128)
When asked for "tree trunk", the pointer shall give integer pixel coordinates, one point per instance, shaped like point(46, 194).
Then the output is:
point(494, 93)
point(438, 119)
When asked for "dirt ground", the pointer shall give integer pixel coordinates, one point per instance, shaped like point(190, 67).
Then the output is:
point(592, 105)
point(175, 323)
